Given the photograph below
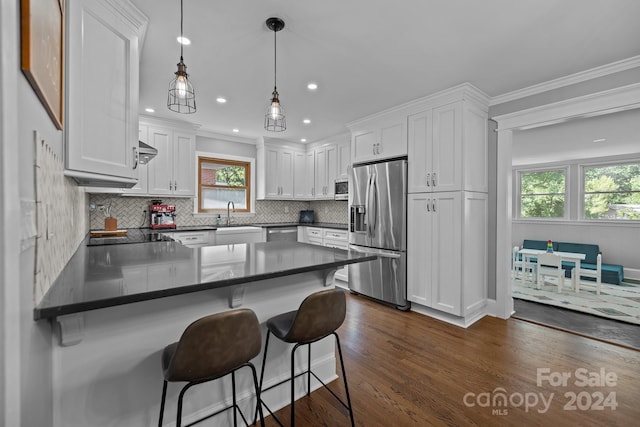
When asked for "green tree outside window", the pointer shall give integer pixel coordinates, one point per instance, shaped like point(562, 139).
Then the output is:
point(612, 192)
point(542, 194)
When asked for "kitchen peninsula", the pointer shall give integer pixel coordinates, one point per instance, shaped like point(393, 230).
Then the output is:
point(116, 306)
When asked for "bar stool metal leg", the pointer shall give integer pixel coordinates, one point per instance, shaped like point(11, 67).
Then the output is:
point(164, 396)
point(344, 376)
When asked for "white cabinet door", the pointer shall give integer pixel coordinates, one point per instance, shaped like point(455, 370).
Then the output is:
point(362, 145)
point(184, 164)
point(420, 148)
point(286, 169)
point(101, 111)
point(326, 171)
point(419, 248)
point(272, 176)
point(321, 173)
point(160, 169)
point(446, 168)
point(344, 160)
point(446, 252)
point(303, 175)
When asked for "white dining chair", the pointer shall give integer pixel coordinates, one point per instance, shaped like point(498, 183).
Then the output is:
point(550, 264)
point(521, 267)
point(596, 274)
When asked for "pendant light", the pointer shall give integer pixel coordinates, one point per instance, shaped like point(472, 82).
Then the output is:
point(274, 120)
point(182, 98)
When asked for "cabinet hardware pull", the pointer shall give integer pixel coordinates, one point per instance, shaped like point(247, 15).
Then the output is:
point(433, 177)
point(428, 205)
point(428, 180)
point(434, 205)
point(135, 157)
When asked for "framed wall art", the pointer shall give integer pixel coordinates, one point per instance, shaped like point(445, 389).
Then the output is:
point(42, 52)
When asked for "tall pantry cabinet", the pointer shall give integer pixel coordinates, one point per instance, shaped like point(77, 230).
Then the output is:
point(447, 205)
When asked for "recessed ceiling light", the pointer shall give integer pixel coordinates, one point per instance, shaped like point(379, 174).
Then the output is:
point(306, 121)
point(183, 40)
point(221, 100)
point(303, 140)
point(236, 130)
point(149, 110)
point(600, 140)
point(312, 86)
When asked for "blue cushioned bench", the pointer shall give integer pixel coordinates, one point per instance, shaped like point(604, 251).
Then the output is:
point(611, 273)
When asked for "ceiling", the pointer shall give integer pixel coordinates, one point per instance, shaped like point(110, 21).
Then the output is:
point(367, 55)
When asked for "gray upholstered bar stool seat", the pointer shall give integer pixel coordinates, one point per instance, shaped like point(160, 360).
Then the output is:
point(210, 348)
point(319, 316)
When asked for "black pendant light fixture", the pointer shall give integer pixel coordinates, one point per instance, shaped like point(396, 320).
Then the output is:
point(182, 98)
point(274, 120)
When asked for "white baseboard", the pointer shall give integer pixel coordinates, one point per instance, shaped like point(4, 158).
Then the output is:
point(632, 273)
point(463, 322)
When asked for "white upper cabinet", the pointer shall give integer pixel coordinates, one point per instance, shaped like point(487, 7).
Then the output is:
point(344, 160)
point(448, 147)
point(304, 185)
point(326, 171)
point(172, 171)
point(102, 73)
point(275, 171)
point(378, 139)
point(296, 171)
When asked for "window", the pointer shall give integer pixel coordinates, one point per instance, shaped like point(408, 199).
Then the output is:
point(611, 192)
point(542, 194)
point(221, 181)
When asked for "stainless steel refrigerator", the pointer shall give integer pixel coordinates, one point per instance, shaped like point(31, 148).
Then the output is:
point(378, 225)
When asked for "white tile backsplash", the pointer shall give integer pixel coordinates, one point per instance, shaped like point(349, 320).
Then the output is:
point(61, 218)
point(129, 211)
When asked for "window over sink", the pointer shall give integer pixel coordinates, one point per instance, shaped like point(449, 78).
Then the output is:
point(222, 180)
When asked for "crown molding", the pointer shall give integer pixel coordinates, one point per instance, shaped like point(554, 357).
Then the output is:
point(159, 121)
point(460, 92)
point(582, 76)
point(595, 104)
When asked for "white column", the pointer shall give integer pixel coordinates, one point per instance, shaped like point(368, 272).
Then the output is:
point(504, 301)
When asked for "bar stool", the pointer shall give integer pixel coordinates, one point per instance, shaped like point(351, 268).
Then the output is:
point(210, 348)
point(319, 315)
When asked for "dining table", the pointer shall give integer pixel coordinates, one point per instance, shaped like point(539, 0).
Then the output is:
point(574, 257)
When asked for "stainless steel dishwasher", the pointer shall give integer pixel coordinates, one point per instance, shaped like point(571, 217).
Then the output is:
point(279, 234)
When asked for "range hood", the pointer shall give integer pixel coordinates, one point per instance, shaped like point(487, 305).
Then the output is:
point(145, 153)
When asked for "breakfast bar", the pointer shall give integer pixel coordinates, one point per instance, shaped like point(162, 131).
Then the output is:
point(115, 307)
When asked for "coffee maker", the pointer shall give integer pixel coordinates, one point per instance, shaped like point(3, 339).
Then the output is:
point(162, 216)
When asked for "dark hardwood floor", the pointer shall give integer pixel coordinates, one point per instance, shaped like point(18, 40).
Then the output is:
point(601, 328)
point(405, 369)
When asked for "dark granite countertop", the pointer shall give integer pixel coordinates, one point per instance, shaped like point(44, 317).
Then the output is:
point(109, 275)
point(145, 235)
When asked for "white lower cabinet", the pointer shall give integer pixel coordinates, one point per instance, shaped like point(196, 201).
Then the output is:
point(447, 251)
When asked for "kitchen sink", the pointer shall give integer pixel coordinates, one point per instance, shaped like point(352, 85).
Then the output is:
point(234, 230)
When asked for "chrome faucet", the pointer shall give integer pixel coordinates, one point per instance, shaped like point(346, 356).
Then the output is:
point(234, 209)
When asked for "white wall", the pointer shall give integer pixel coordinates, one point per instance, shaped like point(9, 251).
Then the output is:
point(28, 385)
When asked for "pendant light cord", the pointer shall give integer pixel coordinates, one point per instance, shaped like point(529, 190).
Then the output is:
point(275, 59)
point(181, 34)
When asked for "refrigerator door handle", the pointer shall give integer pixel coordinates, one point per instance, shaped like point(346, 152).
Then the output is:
point(374, 220)
point(382, 253)
point(367, 206)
